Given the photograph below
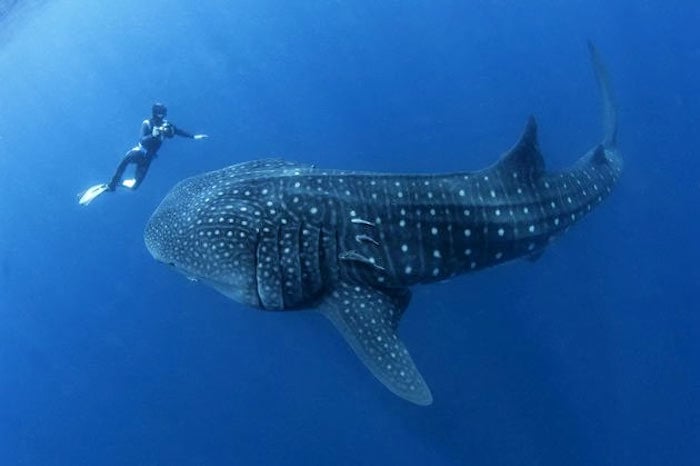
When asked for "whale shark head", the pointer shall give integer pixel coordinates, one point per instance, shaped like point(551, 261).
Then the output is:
point(203, 230)
point(211, 228)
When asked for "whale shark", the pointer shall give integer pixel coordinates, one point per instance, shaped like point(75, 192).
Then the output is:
point(280, 235)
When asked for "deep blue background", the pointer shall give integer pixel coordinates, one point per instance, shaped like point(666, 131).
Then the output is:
point(588, 356)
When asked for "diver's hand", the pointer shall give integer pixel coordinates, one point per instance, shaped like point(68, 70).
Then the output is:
point(200, 136)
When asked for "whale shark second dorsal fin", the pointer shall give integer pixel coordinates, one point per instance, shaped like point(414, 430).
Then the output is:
point(524, 158)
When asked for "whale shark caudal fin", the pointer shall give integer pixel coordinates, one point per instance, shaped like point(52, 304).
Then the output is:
point(367, 318)
point(609, 105)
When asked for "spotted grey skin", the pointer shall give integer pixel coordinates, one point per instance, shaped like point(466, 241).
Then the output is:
point(280, 235)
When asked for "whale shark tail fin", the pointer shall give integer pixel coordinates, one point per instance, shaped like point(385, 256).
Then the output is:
point(609, 105)
point(368, 318)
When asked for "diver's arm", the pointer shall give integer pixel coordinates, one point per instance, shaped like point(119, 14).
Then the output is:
point(146, 128)
point(185, 134)
point(182, 132)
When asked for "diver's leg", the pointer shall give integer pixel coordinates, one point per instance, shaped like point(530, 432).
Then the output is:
point(141, 169)
point(128, 158)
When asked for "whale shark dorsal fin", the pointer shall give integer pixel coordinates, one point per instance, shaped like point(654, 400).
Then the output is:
point(524, 158)
point(367, 319)
point(599, 156)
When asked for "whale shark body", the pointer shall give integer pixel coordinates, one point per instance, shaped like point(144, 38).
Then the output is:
point(279, 235)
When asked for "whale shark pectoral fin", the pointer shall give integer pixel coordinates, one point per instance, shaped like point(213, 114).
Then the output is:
point(367, 318)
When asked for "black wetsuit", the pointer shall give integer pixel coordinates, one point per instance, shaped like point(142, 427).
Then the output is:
point(143, 154)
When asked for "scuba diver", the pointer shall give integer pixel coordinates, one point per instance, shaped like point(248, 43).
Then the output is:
point(153, 131)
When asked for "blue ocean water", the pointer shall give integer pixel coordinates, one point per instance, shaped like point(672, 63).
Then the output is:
point(586, 356)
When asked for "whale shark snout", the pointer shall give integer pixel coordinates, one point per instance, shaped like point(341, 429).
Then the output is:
point(198, 231)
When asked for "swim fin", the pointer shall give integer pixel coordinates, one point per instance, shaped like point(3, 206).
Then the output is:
point(91, 193)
